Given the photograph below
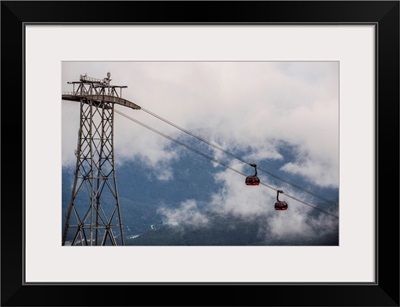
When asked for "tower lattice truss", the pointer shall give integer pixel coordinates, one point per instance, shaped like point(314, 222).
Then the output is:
point(94, 213)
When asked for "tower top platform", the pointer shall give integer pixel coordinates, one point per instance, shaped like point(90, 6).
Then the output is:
point(98, 90)
point(100, 98)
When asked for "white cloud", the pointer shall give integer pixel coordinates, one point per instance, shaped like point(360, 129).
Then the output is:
point(239, 105)
point(187, 213)
point(250, 202)
point(316, 171)
point(238, 199)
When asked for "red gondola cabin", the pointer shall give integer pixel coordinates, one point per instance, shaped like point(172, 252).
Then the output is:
point(253, 180)
point(280, 205)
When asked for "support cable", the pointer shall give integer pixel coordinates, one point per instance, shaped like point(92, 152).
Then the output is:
point(234, 156)
point(214, 160)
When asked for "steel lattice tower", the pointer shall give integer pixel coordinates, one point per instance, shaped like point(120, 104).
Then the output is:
point(94, 213)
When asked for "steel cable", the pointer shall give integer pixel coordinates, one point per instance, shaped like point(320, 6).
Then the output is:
point(234, 156)
point(214, 160)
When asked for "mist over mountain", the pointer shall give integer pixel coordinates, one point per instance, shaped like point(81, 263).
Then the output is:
point(282, 116)
point(196, 206)
point(229, 231)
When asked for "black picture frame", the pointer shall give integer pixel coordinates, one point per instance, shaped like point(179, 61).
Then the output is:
point(383, 14)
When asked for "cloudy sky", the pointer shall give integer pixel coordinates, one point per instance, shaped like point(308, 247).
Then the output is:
point(253, 107)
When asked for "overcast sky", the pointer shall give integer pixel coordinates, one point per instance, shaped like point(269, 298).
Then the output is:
point(237, 105)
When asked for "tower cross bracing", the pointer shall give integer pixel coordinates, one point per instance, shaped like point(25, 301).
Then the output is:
point(94, 213)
